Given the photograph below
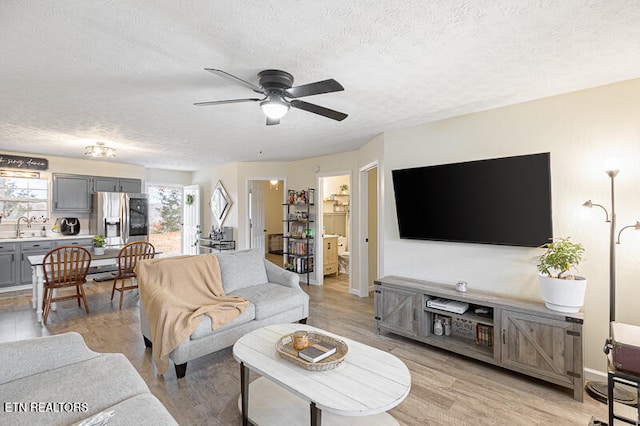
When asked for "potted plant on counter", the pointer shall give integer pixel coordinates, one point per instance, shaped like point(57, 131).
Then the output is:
point(561, 291)
point(98, 244)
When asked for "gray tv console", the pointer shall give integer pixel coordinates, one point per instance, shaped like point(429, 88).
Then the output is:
point(520, 335)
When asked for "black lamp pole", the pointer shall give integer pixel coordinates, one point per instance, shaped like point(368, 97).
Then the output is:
point(599, 390)
point(612, 249)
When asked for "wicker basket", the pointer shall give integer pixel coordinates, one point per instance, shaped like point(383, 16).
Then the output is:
point(284, 347)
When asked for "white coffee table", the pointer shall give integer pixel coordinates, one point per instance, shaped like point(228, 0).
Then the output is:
point(360, 391)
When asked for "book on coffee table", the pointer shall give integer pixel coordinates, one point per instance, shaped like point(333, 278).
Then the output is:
point(317, 352)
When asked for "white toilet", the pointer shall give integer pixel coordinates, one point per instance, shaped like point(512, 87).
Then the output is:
point(343, 255)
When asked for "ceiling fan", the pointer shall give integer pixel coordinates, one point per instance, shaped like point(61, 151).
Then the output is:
point(279, 95)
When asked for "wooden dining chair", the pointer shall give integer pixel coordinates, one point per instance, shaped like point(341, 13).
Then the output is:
point(65, 267)
point(128, 257)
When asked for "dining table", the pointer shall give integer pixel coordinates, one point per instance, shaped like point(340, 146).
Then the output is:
point(109, 257)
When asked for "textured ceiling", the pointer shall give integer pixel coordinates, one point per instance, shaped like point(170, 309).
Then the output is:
point(128, 72)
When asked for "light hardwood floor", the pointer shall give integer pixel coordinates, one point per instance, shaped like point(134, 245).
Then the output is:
point(446, 389)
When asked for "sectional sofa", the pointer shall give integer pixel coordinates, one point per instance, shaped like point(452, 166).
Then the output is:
point(58, 380)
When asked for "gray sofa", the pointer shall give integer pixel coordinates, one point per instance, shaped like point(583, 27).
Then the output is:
point(274, 294)
point(58, 380)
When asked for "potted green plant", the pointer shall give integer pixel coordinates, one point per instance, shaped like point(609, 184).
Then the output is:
point(99, 242)
point(344, 189)
point(561, 290)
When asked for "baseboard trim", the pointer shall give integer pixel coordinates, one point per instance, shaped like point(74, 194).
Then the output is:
point(16, 288)
point(591, 375)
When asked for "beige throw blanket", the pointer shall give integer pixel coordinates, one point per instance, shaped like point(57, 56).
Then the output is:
point(175, 293)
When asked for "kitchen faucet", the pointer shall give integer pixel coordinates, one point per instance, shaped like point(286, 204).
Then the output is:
point(18, 225)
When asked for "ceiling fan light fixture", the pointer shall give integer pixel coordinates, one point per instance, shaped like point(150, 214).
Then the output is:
point(274, 108)
point(99, 150)
point(280, 94)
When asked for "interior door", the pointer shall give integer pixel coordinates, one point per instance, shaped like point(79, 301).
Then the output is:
point(256, 216)
point(190, 219)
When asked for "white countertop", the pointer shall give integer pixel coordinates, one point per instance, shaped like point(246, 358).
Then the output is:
point(50, 236)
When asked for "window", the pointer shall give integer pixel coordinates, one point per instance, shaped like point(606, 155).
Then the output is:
point(23, 197)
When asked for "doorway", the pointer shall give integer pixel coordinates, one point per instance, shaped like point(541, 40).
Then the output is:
point(369, 216)
point(266, 197)
point(165, 218)
point(335, 211)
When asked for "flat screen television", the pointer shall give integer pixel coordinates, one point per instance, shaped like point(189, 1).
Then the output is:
point(503, 201)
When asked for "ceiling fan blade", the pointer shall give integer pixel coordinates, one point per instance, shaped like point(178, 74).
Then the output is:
point(227, 101)
point(325, 86)
point(272, 121)
point(317, 109)
point(235, 79)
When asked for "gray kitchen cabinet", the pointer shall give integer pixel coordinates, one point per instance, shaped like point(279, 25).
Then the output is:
point(130, 185)
point(113, 184)
point(31, 248)
point(14, 263)
point(71, 193)
point(105, 184)
point(84, 242)
point(8, 264)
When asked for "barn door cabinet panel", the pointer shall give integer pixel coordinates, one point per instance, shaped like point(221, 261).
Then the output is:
point(542, 347)
point(396, 310)
point(521, 335)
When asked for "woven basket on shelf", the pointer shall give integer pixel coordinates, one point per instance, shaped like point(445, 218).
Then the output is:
point(284, 347)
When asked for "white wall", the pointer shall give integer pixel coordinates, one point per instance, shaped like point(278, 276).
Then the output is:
point(79, 166)
point(332, 185)
point(207, 179)
point(580, 130)
point(168, 177)
point(296, 175)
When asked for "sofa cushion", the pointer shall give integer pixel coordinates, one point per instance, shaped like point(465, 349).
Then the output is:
point(271, 299)
point(144, 409)
point(25, 357)
point(241, 269)
point(99, 382)
point(204, 328)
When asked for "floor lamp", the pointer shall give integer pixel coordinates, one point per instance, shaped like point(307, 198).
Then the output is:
point(598, 390)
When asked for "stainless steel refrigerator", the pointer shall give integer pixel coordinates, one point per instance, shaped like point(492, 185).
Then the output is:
point(122, 217)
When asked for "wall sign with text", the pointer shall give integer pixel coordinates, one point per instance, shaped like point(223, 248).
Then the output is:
point(28, 163)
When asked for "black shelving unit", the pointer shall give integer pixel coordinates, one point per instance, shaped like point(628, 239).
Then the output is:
point(298, 239)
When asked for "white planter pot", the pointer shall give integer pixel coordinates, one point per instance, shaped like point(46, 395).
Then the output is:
point(98, 251)
point(563, 295)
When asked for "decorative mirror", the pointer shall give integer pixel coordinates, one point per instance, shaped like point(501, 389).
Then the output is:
point(220, 203)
